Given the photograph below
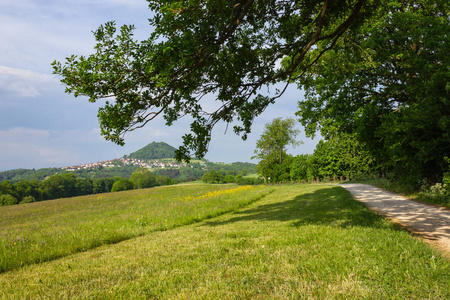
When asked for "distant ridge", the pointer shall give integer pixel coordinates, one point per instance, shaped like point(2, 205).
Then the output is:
point(154, 150)
point(158, 155)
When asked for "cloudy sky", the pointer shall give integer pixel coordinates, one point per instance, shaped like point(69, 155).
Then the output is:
point(41, 126)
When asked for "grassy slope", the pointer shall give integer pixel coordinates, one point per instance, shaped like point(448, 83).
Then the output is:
point(48, 230)
point(310, 241)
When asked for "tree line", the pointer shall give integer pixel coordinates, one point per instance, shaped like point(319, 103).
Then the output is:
point(68, 185)
point(230, 177)
point(338, 157)
point(74, 184)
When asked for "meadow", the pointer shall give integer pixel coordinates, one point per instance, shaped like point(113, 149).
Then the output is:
point(47, 230)
point(287, 242)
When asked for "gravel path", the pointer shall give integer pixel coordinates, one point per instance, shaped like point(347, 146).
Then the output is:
point(430, 222)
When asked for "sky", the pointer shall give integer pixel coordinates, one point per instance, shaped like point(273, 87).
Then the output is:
point(41, 126)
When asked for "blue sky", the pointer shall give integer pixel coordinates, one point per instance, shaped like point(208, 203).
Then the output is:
point(41, 126)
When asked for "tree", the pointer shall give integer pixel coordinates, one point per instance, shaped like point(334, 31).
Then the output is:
point(388, 82)
point(213, 177)
point(142, 178)
point(8, 199)
point(59, 186)
point(229, 49)
point(6, 188)
point(103, 185)
point(122, 184)
point(299, 168)
point(163, 180)
point(27, 199)
point(228, 178)
point(27, 189)
point(341, 155)
point(84, 186)
point(276, 136)
point(271, 148)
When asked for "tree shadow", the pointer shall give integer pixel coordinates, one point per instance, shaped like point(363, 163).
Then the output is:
point(330, 206)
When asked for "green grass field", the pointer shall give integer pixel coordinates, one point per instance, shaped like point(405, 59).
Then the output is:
point(48, 230)
point(297, 242)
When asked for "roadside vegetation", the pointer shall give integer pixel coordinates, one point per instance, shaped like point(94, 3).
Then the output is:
point(437, 194)
point(300, 241)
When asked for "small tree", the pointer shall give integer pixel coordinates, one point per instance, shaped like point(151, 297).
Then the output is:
point(213, 177)
point(123, 184)
point(228, 179)
point(143, 178)
point(7, 200)
point(27, 199)
point(271, 148)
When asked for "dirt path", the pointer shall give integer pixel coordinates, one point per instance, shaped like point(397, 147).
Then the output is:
point(430, 222)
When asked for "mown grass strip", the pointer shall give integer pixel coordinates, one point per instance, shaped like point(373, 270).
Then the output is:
point(44, 231)
point(299, 242)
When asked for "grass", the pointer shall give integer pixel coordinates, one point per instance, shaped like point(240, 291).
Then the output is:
point(253, 175)
point(38, 232)
point(299, 242)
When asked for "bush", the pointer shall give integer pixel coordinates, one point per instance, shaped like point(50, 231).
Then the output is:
point(248, 181)
point(8, 200)
point(27, 199)
point(435, 194)
point(212, 177)
point(122, 185)
point(228, 179)
point(142, 178)
point(446, 183)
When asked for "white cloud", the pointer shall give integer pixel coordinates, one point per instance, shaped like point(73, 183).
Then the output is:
point(22, 147)
point(24, 83)
point(37, 148)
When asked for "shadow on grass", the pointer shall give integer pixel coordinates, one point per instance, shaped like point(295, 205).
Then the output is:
point(328, 206)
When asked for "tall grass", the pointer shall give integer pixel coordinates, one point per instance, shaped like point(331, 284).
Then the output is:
point(43, 231)
point(299, 242)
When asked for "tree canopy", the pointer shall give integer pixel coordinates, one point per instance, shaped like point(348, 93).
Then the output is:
point(388, 82)
point(228, 49)
point(276, 136)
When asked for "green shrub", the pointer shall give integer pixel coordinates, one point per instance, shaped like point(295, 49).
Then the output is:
point(27, 199)
point(8, 200)
point(446, 183)
point(248, 180)
point(446, 179)
point(435, 194)
point(142, 178)
point(228, 179)
point(213, 177)
point(122, 185)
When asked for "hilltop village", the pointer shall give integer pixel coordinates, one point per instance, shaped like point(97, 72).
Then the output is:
point(126, 161)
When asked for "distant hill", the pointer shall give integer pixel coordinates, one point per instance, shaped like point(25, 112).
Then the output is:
point(157, 155)
point(154, 150)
